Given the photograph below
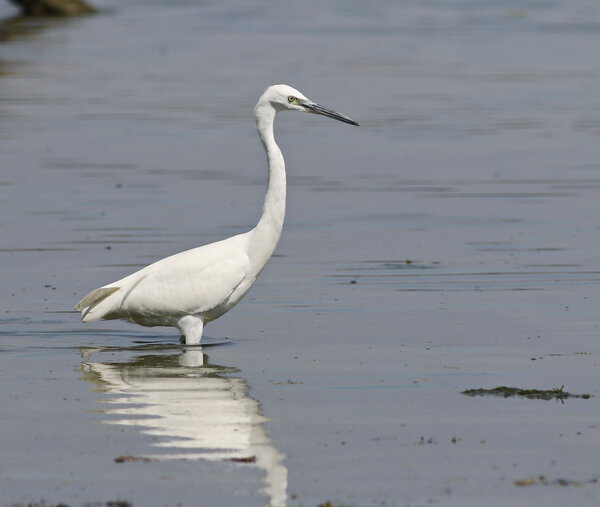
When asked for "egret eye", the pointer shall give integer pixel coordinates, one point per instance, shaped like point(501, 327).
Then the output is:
point(292, 99)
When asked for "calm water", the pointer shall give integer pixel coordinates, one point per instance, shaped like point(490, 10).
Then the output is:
point(128, 136)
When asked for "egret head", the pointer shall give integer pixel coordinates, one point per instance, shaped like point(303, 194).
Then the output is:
point(283, 97)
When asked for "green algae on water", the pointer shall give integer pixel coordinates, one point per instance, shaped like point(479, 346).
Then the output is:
point(541, 480)
point(533, 394)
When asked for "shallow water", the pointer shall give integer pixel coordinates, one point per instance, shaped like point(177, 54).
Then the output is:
point(449, 243)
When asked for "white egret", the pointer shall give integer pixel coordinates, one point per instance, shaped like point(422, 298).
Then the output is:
point(191, 288)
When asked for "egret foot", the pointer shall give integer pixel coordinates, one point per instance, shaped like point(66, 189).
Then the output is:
point(191, 328)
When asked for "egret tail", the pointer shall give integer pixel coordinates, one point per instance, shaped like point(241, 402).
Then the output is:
point(93, 299)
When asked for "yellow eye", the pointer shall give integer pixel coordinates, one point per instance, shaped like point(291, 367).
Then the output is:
point(292, 99)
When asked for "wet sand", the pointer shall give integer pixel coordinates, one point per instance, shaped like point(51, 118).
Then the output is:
point(449, 243)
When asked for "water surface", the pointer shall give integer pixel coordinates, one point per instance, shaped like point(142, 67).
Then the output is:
point(449, 243)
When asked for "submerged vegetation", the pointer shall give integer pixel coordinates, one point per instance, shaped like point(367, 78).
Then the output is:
point(114, 503)
point(533, 394)
point(542, 481)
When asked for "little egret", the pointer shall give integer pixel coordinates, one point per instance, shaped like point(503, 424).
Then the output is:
point(191, 288)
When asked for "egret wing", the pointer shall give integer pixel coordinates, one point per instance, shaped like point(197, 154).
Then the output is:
point(192, 282)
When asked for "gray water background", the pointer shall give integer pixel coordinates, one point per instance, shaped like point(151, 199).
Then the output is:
point(129, 136)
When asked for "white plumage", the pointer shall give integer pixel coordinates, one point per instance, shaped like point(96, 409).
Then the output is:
point(191, 288)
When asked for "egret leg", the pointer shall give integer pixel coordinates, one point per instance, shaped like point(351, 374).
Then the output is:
point(191, 328)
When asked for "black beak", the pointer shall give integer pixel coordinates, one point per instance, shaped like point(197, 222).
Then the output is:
point(312, 107)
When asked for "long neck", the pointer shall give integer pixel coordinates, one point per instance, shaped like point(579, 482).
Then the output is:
point(266, 234)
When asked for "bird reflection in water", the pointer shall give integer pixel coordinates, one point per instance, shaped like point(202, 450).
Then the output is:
point(193, 409)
